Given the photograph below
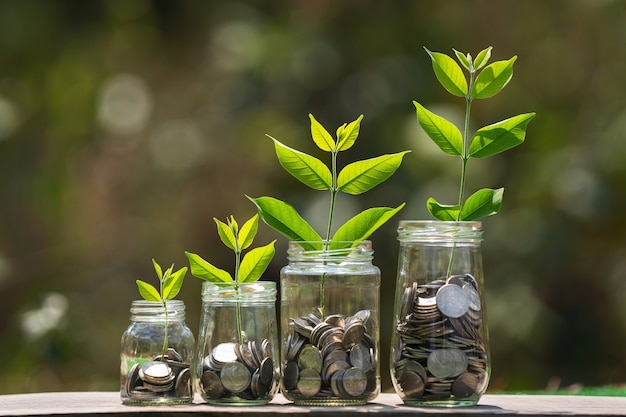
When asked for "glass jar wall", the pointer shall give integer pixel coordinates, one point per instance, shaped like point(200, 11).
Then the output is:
point(330, 325)
point(156, 353)
point(237, 354)
point(440, 347)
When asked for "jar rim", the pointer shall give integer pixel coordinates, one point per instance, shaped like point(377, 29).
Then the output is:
point(243, 290)
point(353, 250)
point(439, 230)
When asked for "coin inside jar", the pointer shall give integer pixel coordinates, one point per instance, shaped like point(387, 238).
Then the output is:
point(235, 377)
point(452, 301)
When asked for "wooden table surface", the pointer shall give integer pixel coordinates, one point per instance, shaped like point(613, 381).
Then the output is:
point(108, 404)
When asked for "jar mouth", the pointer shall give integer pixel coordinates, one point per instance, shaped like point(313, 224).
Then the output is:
point(154, 310)
point(258, 290)
point(330, 250)
point(438, 230)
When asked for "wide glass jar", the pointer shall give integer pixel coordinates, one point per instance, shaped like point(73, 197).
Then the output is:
point(330, 325)
point(156, 353)
point(440, 346)
point(237, 354)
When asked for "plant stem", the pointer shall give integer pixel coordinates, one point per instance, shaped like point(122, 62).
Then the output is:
point(237, 304)
point(167, 325)
point(333, 199)
point(464, 154)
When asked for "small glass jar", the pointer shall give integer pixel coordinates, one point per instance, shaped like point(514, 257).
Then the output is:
point(330, 325)
point(237, 353)
point(156, 353)
point(440, 347)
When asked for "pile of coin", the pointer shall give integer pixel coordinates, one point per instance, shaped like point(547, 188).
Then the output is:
point(442, 350)
point(334, 357)
point(245, 370)
point(163, 376)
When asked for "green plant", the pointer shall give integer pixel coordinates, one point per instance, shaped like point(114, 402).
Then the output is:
point(169, 286)
point(247, 269)
point(484, 81)
point(355, 178)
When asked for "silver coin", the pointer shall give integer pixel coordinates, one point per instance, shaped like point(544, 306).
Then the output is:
point(310, 357)
point(156, 373)
point(445, 363)
point(353, 334)
point(361, 357)
point(132, 379)
point(472, 296)
point(336, 320)
point(224, 353)
point(211, 385)
point(309, 382)
point(235, 377)
point(412, 384)
point(183, 383)
point(452, 301)
point(465, 385)
point(266, 372)
point(354, 382)
point(291, 374)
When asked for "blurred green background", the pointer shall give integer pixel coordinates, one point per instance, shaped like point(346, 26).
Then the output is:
point(126, 126)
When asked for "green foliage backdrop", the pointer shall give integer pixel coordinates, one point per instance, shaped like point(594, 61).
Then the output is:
point(126, 126)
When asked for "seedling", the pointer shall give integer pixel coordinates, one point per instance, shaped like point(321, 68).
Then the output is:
point(355, 178)
point(169, 286)
point(484, 81)
point(249, 269)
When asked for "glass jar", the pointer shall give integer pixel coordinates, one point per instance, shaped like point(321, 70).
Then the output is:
point(237, 354)
point(440, 347)
point(330, 325)
point(156, 353)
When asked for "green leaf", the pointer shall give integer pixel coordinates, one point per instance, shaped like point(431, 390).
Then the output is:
point(361, 176)
point(255, 263)
point(493, 78)
point(449, 73)
point(226, 234)
point(306, 168)
point(482, 203)
point(482, 58)
point(362, 225)
point(445, 134)
point(173, 283)
point(283, 218)
point(500, 136)
point(204, 270)
point(443, 212)
point(463, 59)
point(248, 232)
point(348, 135)
point(158, 269)
point(147, 291)
point(320, 135)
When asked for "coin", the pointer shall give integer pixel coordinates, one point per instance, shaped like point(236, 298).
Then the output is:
point(447, 362)
point(211, 385)
point(291, 374)
point(310, 357)
point(452, 300)
point(235, 377)
point(309, 382)
point(361, 357)
point(354, 382)
point(412, 384)
point(465, 385)
point(353, 334)
point(224, 353)
point(183, 383)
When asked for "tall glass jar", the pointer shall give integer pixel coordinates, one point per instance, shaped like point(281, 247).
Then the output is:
point(156, 353)
point(237, 354)
point(330, 325)
point(440, 346)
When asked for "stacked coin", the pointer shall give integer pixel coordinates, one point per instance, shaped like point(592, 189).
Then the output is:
point(442, 351)
point(334, 357)
point(164, 376)
point(242, 369)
